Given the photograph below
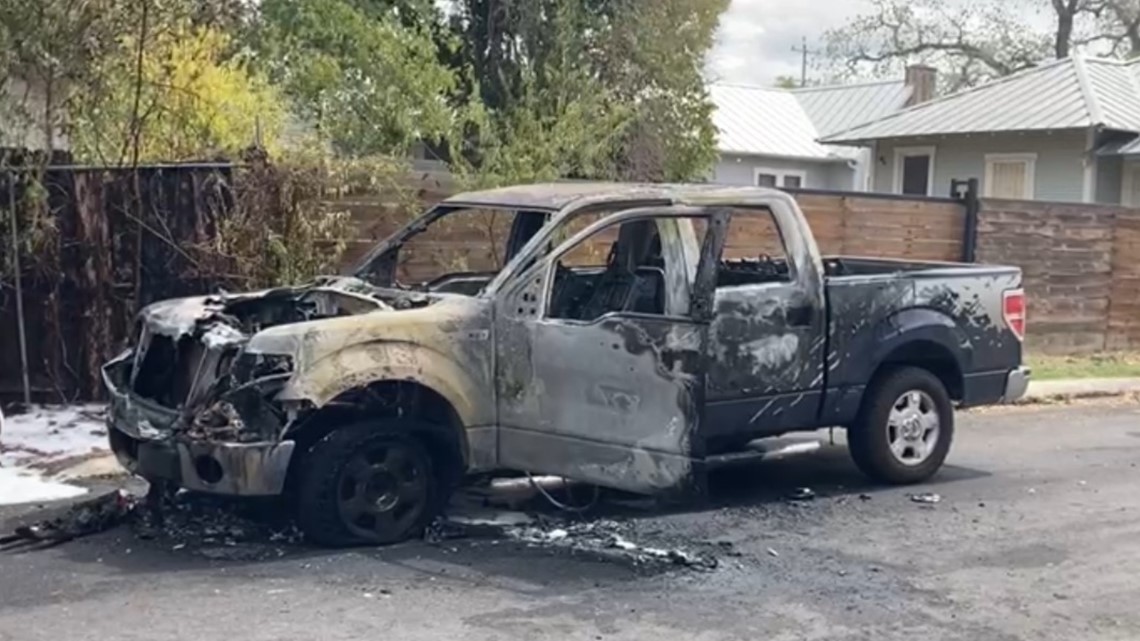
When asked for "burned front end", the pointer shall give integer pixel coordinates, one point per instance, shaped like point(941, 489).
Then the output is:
point(192, 404)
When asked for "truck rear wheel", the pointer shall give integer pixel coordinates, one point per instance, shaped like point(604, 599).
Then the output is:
point(904, 430)
point(367, 484)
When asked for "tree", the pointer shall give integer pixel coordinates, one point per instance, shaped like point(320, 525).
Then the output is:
point(612, 48)
point(786, 82)
point(366, 81)
point(972, 41)
point(193, 100)
point(48, 51)
point(672, 137)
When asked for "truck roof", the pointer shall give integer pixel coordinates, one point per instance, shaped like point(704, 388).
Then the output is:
point(555, 196)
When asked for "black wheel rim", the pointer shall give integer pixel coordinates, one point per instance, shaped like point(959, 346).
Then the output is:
point(382, 492)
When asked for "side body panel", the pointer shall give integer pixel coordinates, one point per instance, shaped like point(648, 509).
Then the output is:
point(615, 401)
point(767, 344)
point(953, 312)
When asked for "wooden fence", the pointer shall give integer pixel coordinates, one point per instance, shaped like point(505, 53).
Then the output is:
point(97, 259)
point(1082, 270)
point(1081, 262)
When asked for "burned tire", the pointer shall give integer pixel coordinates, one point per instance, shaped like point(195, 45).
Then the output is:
point(371, 483)
point(904, 429)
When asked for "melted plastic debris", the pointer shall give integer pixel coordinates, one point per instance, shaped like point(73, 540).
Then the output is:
point(610, 539)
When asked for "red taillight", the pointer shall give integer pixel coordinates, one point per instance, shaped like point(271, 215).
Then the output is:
point(1013, 311)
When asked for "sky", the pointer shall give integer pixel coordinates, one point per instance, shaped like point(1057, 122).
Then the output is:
point(755, 38)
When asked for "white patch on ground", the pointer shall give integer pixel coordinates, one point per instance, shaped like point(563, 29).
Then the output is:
point(42, 438)
point(20, 485)
point(50, 434)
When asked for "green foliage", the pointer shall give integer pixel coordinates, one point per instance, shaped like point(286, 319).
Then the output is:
point(194, 100)
point(368, 83)
point(611, 57)
point(287, 225)
point(674, 138)
point(48, 52)
point(786, 82)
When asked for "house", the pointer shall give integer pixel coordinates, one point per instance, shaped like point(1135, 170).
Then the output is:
point(22, 117)
point(1067, 131)
point(769, 137)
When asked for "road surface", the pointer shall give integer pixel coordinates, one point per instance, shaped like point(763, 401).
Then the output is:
point(1036, 536)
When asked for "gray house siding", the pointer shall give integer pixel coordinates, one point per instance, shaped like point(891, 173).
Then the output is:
point(1059, 167)
point(734, 169)
point(1109, 178)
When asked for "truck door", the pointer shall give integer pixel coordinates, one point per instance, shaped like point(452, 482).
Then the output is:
point(600, 347)
point(767, 340)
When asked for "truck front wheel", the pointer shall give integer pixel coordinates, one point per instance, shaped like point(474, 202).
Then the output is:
point(367, 483)
point(903, 432)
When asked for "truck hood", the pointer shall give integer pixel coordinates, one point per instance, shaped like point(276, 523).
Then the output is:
point(226, 319)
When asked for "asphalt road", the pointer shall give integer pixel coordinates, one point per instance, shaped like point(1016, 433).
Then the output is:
point(1037, 536)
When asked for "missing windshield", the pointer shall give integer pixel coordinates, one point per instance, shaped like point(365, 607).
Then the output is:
point(457, 250)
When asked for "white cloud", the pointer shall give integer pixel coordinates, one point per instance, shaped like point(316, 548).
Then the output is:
point(755, 38)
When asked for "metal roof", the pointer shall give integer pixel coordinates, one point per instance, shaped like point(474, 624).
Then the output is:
point(834, 109)
point(1074, 93)
point(1123, 147)
point(753, 120)
point(777, 122)
point(555, 196)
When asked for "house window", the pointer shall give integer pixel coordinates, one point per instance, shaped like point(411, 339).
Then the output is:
point(1010, 176)
point(914, 171)
point(780, 178)
point(766, 180)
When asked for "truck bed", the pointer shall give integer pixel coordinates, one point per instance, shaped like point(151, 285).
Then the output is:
point(839, 266)
point(871, 299)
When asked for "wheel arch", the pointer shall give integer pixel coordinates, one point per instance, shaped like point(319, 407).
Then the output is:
point(435, 418)
point(927, 339)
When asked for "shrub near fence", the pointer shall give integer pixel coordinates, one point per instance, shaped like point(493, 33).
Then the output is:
point(97, 245)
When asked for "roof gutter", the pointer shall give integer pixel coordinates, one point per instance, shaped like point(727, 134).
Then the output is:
point(753, 154)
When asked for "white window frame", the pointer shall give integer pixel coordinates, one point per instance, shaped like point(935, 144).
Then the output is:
point(1030, 161)
point(902, 153)
point(780, 175)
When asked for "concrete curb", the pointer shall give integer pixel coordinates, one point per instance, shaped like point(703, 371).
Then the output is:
point(1040, 391)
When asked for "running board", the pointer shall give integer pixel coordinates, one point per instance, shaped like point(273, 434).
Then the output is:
point(764, 450)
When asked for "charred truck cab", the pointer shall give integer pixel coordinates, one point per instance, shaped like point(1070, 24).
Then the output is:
point(622, 335)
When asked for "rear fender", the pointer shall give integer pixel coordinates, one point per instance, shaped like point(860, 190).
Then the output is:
point(908, 326)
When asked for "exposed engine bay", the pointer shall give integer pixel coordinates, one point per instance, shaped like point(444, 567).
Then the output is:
point(190, 352)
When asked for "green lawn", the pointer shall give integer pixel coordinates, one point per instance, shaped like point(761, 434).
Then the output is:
point(1108, 365)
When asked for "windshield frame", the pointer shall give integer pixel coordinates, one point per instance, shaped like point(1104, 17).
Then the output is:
point(378, 266)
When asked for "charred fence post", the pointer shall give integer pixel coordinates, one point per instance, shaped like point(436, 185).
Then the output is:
point(18, 277)
point(966, 192)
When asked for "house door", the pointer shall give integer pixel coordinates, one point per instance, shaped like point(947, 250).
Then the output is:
point(601, 367)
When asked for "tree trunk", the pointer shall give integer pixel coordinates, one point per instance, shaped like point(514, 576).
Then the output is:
point(1066, 14)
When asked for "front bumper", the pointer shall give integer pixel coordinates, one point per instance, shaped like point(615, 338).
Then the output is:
point(1016, 385)
point(143, 439)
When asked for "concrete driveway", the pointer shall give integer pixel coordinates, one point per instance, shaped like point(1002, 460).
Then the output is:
point(1036, 536)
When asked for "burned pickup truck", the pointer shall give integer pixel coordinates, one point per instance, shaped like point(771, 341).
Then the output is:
point(628, 336)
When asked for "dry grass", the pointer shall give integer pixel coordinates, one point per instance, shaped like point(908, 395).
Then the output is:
point(1105, 365)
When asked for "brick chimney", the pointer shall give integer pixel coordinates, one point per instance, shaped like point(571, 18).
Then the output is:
point(923, 83)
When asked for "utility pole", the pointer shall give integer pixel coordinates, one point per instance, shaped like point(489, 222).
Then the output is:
point(804, 52)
